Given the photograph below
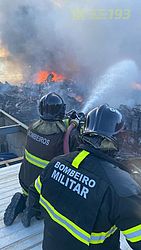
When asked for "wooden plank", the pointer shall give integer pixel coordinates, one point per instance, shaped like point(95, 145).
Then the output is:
point(4, 202)
point(14, 168)
point(9, 187)
point(16, 236)
point(27, 243)
point(9, 193)
point(9, 236)
point(10, 182)
point(4, 172)
point(3, 178)
point(37, 247)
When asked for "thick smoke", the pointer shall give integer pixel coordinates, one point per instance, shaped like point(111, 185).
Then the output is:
point(116, 86)
point(65, 37)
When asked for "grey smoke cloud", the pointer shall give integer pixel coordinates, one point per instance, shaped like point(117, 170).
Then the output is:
point(64, 35)
point(116, 86)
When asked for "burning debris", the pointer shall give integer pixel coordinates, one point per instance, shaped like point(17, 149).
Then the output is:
point(132, 134)
point(46, 77)
point(22, 101)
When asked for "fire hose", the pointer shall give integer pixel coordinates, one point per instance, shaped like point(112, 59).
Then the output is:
point(76, 121)
point(66, 147)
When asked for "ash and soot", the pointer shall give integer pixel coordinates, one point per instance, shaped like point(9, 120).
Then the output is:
point(87, 51)
point(77, 39)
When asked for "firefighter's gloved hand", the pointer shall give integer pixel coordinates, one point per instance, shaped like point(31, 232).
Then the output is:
point(81, 115)
point(75, 122)
point(71, 114)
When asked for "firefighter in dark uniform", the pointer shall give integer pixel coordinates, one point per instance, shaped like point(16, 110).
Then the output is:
point(44, 142)
point(86, 198)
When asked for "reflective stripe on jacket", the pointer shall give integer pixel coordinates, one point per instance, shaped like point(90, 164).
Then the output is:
point(83, 208)
point(39, 150)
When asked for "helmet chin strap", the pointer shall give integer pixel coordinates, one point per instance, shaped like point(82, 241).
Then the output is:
point(100, 142)
point(108, 145)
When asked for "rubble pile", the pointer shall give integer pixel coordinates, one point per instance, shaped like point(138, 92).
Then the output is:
point(18, 102)
point(22, 101)
point(132, 134)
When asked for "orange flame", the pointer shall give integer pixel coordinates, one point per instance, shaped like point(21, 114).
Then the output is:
point(43, 75)
point(3, 52)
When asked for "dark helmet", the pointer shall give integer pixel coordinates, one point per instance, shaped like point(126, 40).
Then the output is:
point(102, 124)
point(104, 120)
point(52, 107)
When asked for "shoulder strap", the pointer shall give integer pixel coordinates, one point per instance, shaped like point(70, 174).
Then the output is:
point(61, 126)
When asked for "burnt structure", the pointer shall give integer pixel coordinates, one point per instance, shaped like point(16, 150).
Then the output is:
point(132, 134)
point(22, 101)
